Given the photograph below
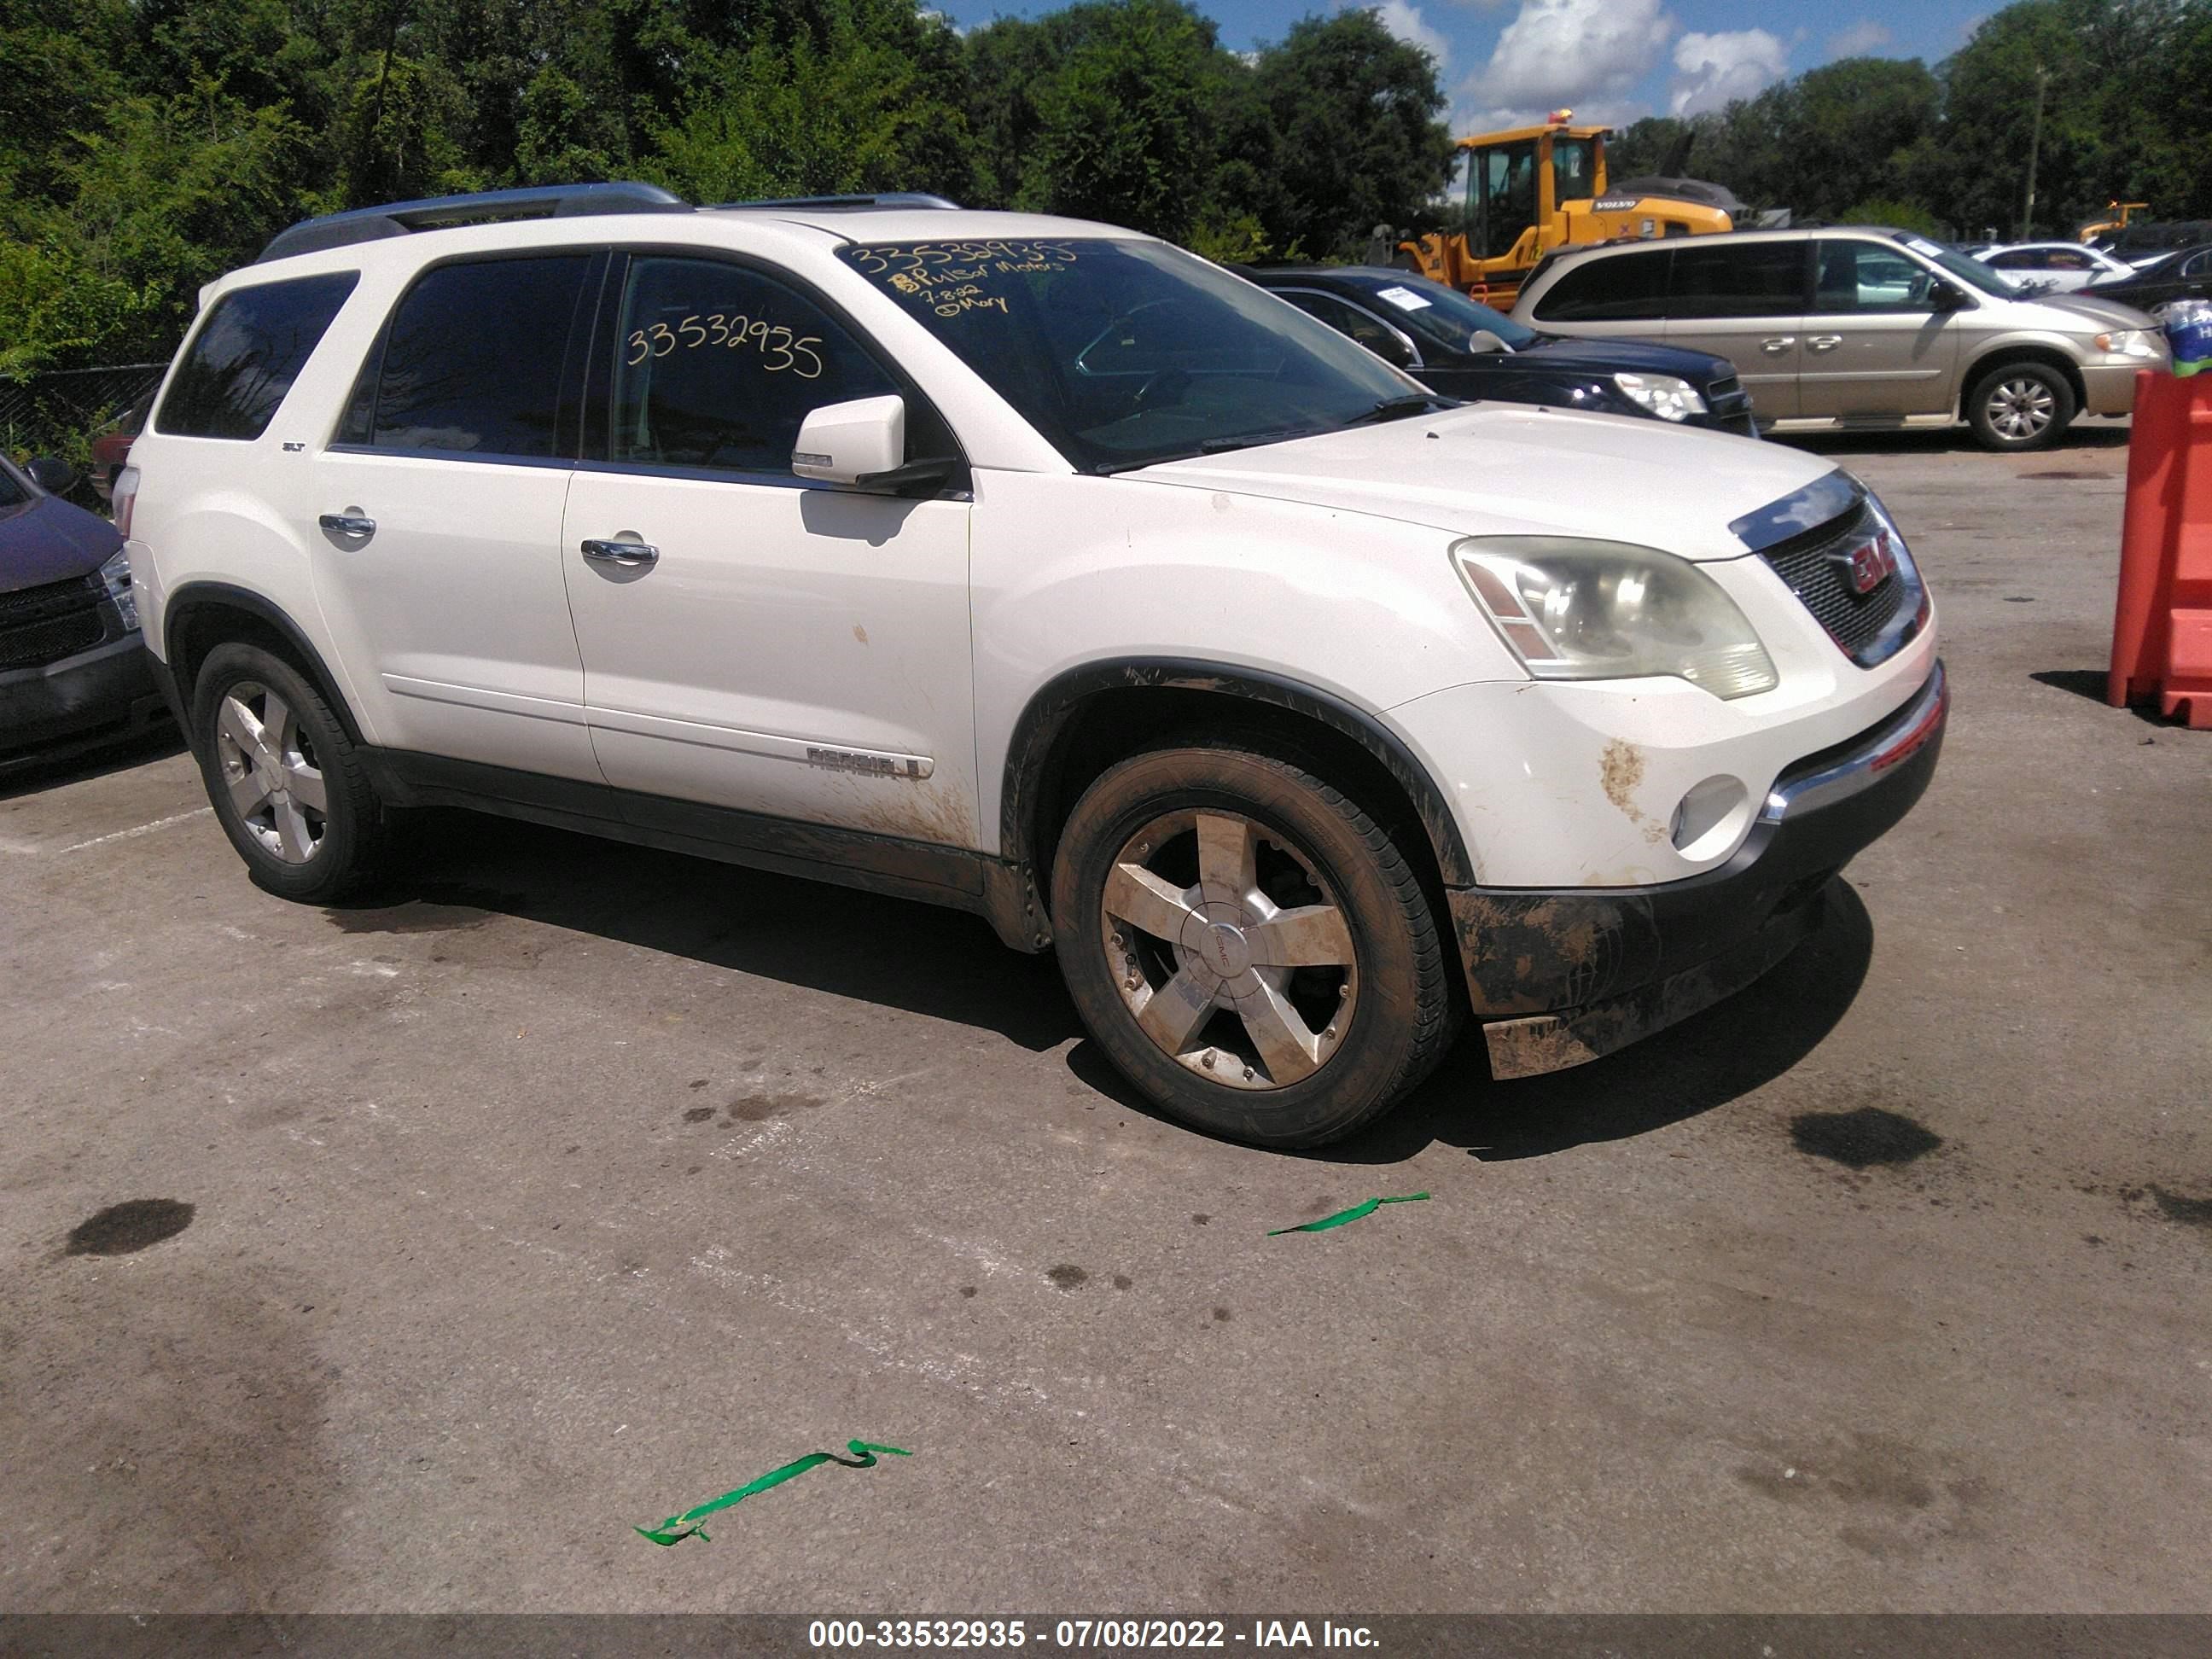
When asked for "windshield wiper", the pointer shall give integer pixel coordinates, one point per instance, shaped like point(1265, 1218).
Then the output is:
point(1211, 446)
point(1396, 409)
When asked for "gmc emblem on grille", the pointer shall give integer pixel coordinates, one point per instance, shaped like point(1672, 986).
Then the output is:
point(1870, 563)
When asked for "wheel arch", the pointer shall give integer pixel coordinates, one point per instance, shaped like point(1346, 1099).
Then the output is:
point(1087, 718)
point(203, 615)
point(2014, 351)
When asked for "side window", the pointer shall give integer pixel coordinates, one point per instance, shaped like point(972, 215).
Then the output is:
point(2061, 258)
point(1863, 277)
point(1750, 279)
point(2020, 258)
point(472, 359)
point(717, 366)
point(1629, 288)
point(246, 354)
point(1350, 320)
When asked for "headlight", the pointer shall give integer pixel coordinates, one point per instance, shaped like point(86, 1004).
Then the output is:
point(1606, 611)
point(116, 572)
point(2127, 343)
point(1665, 396)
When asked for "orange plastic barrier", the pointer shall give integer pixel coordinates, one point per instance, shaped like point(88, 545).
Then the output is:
point(2162, 625)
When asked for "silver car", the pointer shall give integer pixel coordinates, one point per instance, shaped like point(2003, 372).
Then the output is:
point(1859, 326)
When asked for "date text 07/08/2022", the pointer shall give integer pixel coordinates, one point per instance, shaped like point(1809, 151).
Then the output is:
point(1107, 1635)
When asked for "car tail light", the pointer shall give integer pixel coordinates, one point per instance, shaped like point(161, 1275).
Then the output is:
point(123, 499)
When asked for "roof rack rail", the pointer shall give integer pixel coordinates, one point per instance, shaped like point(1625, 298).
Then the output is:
point(906, 198)
point(398, 218)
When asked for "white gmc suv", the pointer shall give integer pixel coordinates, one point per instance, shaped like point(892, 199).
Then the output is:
point(1036, 568)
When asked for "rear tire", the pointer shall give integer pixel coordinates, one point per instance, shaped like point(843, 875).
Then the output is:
point(2021, 406)
point(287, 784)
point(1250, 948)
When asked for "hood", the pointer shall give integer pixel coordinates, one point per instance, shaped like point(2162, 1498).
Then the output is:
point(44, 540)
point(1603, 356)
point(2105, 312)
point(1519, 470)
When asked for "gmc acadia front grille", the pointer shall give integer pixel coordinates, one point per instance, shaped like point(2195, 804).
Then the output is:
point(1818, 566)
point(40, 625)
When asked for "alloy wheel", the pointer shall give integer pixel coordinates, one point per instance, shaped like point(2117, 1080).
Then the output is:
point(270, 771)
point(1228, 947)
point(2020, 407)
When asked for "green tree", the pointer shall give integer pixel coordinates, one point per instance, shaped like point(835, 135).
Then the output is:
point(1122, 121)
point(1357, 137)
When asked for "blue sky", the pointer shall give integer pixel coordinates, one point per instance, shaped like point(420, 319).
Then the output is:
point(1609, 60)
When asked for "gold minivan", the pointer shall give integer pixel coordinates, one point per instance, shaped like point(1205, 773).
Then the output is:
point(1859, 326)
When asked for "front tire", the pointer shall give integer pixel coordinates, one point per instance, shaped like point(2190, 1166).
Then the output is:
point(1249, 947)
point(2021, 406)
point(288, 785)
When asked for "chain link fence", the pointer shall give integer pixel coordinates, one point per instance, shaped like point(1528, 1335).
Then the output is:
point(61, 411)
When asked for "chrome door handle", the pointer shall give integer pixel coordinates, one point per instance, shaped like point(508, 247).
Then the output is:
point(348, 523)
point(1777, 343)
point(630, 556)
point(1824, 342)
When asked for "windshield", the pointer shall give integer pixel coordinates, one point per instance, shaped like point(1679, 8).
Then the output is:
point(1126, 353)
point(1973, 273)
point(1443, 316)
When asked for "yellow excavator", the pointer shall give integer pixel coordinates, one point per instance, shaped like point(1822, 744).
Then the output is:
point(1532, 189)
point(2090, 231)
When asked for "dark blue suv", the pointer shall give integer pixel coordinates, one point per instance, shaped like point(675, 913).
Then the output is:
point(1463, 349)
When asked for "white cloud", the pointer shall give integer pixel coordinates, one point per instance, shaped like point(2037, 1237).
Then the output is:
point(1407, 23)
point(1586, 55)
point(1862, 37)
point(1713, 68)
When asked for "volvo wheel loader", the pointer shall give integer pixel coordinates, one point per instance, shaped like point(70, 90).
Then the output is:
point(1530, 190)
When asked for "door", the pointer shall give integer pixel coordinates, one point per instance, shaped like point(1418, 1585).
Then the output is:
point(1876, 347)
point(1744, 301)
point(771, 645)
point(437, 517)
point(1386, 340)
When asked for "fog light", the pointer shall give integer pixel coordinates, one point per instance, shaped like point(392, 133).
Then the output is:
point(1709, 818)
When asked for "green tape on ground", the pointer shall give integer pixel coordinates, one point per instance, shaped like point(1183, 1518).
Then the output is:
point(678, 1528)
point(1343, 1216)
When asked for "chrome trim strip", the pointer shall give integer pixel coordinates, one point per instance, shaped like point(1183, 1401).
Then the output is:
point(1894, 740)
point(1825, 498)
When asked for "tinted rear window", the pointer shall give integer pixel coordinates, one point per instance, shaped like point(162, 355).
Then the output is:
point(247, 354)
point(1750, 279)
point(1628, 288)
point(471, 359)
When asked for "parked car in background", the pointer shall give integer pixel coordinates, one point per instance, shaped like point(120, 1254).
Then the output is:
point(2184, 275)
point(2146, 241)
point(1465, 350)
point(111, 450)
point(1039, 568)
point(1861, 326)
point(2050, 267)
point(74, 673)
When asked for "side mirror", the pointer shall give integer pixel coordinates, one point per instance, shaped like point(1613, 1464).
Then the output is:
point(862, 446)
point(850, 443)
point(1482, 342)
point(52, 474)
point(1946, 296)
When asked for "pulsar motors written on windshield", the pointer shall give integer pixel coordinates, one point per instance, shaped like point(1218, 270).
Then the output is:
point(954, 277)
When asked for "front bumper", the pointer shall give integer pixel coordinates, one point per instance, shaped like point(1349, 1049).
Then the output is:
point(2109, 388)
point(1561, 977)
point(97, 696)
